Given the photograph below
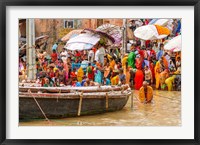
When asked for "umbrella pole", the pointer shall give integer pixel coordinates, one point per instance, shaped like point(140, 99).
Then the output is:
point(124, 45)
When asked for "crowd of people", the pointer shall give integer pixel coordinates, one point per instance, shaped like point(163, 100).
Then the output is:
point(143, 61)
point(150, 63)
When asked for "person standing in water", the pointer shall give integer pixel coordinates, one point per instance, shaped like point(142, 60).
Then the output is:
point(145, 93)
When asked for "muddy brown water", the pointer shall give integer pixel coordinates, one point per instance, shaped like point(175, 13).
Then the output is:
point(165, 110)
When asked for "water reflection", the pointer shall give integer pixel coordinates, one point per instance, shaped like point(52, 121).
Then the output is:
point(165, 110)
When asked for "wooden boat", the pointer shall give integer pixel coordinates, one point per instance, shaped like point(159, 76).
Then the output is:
point(64, 102)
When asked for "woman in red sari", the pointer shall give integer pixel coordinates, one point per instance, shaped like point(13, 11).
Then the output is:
point(139, 77)
point(152, 66)
point(90, 72)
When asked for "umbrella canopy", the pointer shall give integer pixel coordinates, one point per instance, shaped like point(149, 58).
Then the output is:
point(112, 30)
point(83, 41)
point(174, 44)
point(71, 34)
point(88, 30)
point(78, 46)
point(41, 37)
point(84, 38)
point(161, 22)
point(151, 32)
point(37, 39)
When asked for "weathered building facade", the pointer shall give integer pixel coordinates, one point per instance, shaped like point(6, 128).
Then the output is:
point(57, 28)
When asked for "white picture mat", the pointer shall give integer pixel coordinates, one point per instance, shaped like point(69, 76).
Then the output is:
point(185, 131)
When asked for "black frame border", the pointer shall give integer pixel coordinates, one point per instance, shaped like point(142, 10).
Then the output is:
point(5, 3)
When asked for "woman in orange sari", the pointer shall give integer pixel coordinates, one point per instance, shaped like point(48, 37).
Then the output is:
point(112, 64)
point(107, 71)
point(163, 76)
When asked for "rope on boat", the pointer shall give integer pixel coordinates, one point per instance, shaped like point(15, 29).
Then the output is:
point(29, 91)
point(122, 91)
point(80, 104)
point(106, 101)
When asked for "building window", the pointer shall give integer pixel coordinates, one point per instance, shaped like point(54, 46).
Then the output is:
point(68, 23)
point(99, 22)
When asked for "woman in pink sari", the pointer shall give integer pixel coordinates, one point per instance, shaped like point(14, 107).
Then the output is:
point(66, 68)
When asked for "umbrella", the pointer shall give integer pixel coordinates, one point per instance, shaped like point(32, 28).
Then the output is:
point(88, 30)
point(41, 37)
point(71, 34)
point(36, 41)
point(84, 38)
point(161, 22)
point(112, 30)
point(78, 46)
point(151, 32)
point(174, 44)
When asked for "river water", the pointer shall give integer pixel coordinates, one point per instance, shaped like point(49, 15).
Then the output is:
point(165, 110)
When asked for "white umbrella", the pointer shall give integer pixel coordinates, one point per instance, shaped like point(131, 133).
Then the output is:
point(85, 38)
point(150, 32)
point(161, 22)
point(78, 46)
point(71, 34)
point(174, 44)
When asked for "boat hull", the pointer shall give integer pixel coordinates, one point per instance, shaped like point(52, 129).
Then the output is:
point(62, 105)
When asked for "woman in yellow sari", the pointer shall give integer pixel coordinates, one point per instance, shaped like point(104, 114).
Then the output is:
point(115, 78)
point(80, 74)
point(124, 60)
point(127, 73)
point(157, 74)
point(169, 82)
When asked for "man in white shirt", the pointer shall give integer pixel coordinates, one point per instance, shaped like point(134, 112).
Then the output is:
point(91, 56)
point(96, 58)
point(101, 53)
point(84, 64)
point(128, 46)
point(64, 55)
point(155, 47)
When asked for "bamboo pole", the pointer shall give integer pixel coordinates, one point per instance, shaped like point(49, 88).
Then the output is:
point(30, 49)
point(132, 99)
point(106, 101)
point(80, 104)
